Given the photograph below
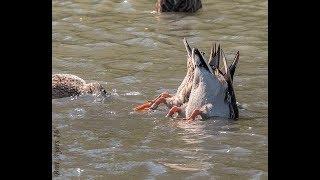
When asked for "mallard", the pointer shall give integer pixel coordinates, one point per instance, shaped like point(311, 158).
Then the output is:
point(67, 85)
point(207, 89)
point(178, 5)
point(212, 93)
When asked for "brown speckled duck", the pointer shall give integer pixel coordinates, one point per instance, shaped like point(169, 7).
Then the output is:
point(189, 6)
point(67, 85)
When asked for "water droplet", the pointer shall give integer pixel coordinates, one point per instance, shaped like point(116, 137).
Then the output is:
point(110, 112)
point(132, 94)
point(79, 171)
point(77, 113)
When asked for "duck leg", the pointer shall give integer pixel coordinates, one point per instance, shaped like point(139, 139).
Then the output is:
point(160, 99)
point(148, 104)
point(144, 106)
point(193, 116)
point(203, 112)
point(174, 109)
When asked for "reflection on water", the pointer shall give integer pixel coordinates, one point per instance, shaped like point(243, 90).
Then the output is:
point(136, 54)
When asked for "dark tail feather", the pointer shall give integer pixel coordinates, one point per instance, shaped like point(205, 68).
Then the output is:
point(234, 111)
point(214, 59)
point(232, 67)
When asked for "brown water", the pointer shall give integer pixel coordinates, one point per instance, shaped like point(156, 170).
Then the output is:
point(136, 54)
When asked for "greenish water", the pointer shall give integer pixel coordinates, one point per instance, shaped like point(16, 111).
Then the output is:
point(136, 54)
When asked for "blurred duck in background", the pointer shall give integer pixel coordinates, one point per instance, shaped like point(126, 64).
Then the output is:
point(189, 6)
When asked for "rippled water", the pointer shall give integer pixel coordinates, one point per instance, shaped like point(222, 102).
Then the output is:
point(136, 54)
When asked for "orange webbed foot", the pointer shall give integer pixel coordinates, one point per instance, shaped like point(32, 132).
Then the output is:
point(193, 116)
point(153, 103)
point(157, 102)
point(160, 99)
point(144, 106)
point(173, 110)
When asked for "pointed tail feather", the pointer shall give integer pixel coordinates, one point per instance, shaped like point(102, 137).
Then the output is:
point(232, 67)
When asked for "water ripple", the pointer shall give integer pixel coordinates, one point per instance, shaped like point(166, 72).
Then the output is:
point(140, 54)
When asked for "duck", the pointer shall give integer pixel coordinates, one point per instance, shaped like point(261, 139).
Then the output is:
point(67, 85)
point(189, 6)
point(183, 91)
point(190, 94)
point(212, 93)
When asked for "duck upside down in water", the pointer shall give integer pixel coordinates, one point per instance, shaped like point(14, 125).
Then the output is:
point(209, 88)
point(212, 94)
point(66, 85)
point(178, 5)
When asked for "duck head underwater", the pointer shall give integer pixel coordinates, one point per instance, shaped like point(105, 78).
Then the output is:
point(206, 91)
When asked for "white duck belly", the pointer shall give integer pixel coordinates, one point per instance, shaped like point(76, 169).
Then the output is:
point(207, 94)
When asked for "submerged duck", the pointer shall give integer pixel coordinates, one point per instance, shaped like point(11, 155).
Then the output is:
point(207, 89)
point(183, 91)
point(212, 93)
point(66, 85)
point(178, 5)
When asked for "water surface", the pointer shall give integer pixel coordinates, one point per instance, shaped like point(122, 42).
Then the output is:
point(136, 54)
